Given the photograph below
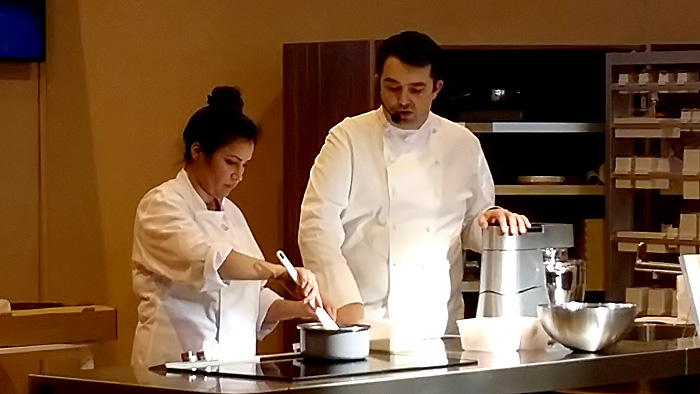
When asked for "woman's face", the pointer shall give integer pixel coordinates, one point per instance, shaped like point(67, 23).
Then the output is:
point(221, 172)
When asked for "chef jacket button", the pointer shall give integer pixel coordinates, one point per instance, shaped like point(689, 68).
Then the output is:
point(427, 229)
point(225, 227)
point(434, 131)
point(437, 161)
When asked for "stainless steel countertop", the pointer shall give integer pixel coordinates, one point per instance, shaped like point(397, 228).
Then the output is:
point(508, 372)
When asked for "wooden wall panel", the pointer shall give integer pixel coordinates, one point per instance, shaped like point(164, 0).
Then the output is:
point(19, 177)
point(323, 84)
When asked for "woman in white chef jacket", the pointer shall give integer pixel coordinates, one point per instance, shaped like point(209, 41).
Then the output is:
point(197, 269)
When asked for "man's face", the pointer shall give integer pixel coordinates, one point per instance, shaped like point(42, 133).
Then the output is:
point(407, 91)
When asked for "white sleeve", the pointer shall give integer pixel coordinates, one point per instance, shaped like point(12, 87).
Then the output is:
point(267, 298)
point(321, 232)
point(482, 200)
point(168, 242)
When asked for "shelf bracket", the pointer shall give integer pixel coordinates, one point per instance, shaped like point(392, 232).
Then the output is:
point(655, 267)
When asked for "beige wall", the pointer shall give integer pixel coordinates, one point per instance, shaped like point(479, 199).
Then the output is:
point(122, 78)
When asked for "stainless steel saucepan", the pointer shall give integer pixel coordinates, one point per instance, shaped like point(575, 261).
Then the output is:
point(345, 343)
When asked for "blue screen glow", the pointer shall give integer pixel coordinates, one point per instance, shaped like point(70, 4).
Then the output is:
point(22, 30)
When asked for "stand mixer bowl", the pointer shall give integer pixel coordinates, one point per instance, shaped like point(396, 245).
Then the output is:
point(565, 280)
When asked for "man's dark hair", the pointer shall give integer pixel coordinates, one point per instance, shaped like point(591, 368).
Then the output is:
point(413, 48)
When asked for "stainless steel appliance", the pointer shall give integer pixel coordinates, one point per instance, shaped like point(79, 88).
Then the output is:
point(565, 279)
point(512, 280)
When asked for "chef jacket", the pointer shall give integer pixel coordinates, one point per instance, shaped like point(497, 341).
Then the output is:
point(184, 304)
point(387, 213)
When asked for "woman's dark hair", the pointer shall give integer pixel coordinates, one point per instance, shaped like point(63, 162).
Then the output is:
point(414, 48)
point(219, 123)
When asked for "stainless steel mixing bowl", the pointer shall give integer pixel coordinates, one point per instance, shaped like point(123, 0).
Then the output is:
point(585, 326)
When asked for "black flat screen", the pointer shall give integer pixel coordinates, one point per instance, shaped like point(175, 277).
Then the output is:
point(22, 30)
point(296, 369)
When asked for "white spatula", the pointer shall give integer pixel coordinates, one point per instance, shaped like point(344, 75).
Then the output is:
point(325, 319)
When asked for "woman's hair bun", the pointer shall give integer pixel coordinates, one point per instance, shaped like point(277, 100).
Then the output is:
point(226, 97)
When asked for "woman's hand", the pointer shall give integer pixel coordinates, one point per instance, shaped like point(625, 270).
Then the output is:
point(288, 309)
point(306, 290)
point(511, 223)
point(307, 287)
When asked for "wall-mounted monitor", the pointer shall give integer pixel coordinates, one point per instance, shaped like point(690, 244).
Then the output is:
point(23, 30)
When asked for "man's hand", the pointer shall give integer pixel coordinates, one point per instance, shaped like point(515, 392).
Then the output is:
point(510, 223)
point(350, 314)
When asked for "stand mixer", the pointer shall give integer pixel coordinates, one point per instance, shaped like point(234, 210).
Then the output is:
point(513, 278)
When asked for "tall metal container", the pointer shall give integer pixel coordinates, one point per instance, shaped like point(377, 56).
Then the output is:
point(512, 280)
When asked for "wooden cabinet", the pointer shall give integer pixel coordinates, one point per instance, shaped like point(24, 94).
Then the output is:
point(16, 363)
point(323, 84)
point(653, 145)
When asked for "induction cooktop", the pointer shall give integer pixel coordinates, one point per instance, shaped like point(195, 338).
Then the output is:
point(297, 368)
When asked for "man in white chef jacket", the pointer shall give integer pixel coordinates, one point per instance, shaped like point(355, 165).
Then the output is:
point(394, 196)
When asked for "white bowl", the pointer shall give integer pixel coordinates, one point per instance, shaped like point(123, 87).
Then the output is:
point(502, 333)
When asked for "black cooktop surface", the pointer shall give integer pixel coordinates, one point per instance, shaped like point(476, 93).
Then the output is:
point(298, 368)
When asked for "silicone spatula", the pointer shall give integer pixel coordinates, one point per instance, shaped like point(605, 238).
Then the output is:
point(325, 319)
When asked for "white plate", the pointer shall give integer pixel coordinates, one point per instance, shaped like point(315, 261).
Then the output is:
point(541, 179)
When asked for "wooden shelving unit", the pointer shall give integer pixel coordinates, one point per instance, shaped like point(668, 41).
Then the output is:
point(658, 122)
point(652, 121)
point(672, 177)
point(550, 190)
point(690, 87)
point(690, 242)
